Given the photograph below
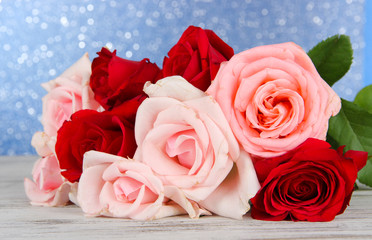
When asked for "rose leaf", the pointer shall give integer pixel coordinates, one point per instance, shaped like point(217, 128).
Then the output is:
point(353, 127)
point(364, 98)
point(332, 57)
point(332, 141)
point(365, 174)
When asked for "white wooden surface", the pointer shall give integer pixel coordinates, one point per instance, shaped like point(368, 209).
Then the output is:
point(20, 220)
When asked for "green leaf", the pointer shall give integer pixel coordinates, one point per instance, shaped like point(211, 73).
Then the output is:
point(332, 141)
point(353, 127)
point(364, 98)
point(332, 57)
point(365, 175)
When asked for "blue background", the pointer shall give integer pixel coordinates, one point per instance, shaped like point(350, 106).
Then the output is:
point(40, 39)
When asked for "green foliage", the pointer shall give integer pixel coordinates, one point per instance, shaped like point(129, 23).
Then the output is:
point(332, 57)
point(364, 98)
point(353, 127)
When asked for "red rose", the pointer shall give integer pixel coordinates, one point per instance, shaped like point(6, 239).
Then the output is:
point(197, 57)
point(310, 183)
point(115, 80)
point(91, 130)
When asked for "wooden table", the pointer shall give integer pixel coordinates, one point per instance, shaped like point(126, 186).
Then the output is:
point(20, 220)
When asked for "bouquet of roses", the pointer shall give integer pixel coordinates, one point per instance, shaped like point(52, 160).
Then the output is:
point(212, 132)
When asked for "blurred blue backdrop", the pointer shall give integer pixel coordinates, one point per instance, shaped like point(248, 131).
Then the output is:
point(40, 39)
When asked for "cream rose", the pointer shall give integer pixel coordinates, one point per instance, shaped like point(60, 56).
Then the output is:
point(67, 94)
point(48, 187)
point(43, 144)
point(183, 136)
point(274, 99)
point(119, 187)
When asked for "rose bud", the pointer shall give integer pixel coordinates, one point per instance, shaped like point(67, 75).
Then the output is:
point(115, 80)
point(197, 57)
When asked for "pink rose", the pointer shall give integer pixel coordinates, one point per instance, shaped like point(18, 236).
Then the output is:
point(119, 187)
point(43, 144)
point(67, 94)
point(274, 99)
point(48, 188)
point(183, 136)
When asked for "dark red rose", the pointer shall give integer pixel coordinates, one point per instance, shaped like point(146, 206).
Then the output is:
point(197, 57)
point(88, 130)
point(310, 183)
point(115, 80)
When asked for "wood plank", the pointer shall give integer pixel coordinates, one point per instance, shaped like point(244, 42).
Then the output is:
point(20, 220)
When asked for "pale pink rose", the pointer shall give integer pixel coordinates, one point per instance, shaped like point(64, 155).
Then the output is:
point(72, 195)
point(183, 136)
point(274, 99)
point(67, 94)
point(231, 198)
point(43, 144)
point(48, 187)
point(119, 187)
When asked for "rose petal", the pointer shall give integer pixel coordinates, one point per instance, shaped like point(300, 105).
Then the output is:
point(231, 198)
point(179, 197)
point(34, 193)
point(40, 142)
point(173, 87)
point(89, 189)
point(53, 198)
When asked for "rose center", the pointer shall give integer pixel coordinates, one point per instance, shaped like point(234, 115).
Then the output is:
point(127, 189)
point(183, 147)
point(303, 191)
point(273, 111)
point(278, 110)
point(91, 140)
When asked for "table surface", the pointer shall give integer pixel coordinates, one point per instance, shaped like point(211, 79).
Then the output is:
point(20, 220)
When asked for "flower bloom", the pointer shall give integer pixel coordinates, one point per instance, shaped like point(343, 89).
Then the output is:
point(107, 131)
point(119, 187)
point(310, 183)
point(67, 94)
point(274, 99)
point(116, 80)
point(183, 136)
point(48, 187)
point(197, 57)
point(43, 144)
